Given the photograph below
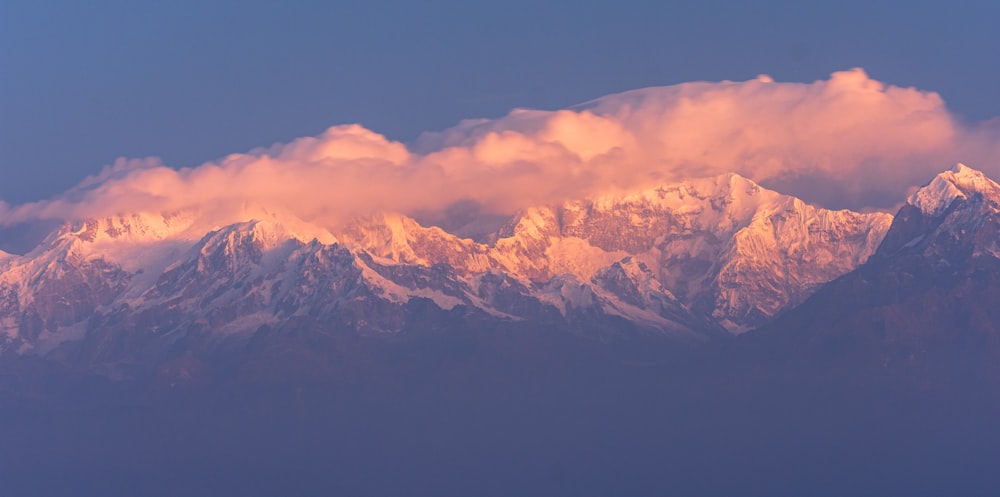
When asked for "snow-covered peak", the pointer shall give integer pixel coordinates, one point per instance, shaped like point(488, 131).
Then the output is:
point(147, 242)
point(268, 222)
point(266, 234)
point(136, 241)
point(960, 182)
point(960, 170)
point(730, 186)
point(718, 205)
point(135, 228)
point(384, 234)
point(396, 238)
point(281, 228)
point(151, 227)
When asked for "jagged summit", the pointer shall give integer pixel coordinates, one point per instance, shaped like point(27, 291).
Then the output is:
point(722, 244)
point(960, 182)
point(272, 231)
point(137, 227)
point(734, 194)
point(954, 217)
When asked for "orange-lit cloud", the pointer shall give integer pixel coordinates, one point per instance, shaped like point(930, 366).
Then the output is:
point(848, 141)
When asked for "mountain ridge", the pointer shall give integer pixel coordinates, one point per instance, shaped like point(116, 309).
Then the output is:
point(686, 261)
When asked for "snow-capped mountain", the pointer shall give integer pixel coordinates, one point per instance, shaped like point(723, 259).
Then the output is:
point(954, 217)
point(724, 247)
point(687, 261)
point(931, 286)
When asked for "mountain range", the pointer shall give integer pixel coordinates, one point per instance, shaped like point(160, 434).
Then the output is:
point(686, 261)
point(710, 337)
point(689, 263)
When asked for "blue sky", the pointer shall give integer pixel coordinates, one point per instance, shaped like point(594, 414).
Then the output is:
point(86, 82)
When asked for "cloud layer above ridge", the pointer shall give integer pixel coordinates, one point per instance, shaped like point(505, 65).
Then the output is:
point(847, 141)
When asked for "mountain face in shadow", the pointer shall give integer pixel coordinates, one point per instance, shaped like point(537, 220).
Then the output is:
point(928, 293)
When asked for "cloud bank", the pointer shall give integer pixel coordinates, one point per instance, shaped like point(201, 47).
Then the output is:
point(847, 141)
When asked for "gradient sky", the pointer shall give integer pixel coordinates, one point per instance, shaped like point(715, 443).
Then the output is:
point(86, 82)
